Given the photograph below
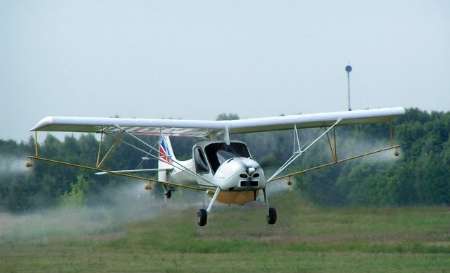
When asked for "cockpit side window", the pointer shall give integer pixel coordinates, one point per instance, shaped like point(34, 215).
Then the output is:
point(201, 166)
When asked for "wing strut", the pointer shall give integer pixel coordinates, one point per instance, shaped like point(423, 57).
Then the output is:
point(300, 151)
point(332, 144)
point(100, 159)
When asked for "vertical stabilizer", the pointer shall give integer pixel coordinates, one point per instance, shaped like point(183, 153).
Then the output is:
point(166, 156)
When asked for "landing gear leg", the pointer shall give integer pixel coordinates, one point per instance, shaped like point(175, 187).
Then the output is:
point(202, 214)
point(271, 212)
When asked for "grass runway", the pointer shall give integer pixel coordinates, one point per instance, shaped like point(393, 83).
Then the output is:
point(237, 239)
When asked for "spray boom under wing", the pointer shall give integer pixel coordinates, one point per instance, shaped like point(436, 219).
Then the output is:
point(134, 171)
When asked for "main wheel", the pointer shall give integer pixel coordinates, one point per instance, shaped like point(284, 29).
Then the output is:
point(168, 194)
point(202, 217)
point(272, 216)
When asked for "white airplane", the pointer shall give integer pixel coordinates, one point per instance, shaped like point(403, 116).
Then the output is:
point(223, 168)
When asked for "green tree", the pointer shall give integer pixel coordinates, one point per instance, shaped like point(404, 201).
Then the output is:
point(76, 196)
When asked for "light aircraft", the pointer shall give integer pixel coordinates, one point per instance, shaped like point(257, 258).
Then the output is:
point(221, 167)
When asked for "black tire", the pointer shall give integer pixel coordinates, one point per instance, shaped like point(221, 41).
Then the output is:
point(202, 217)
point(168, 194)
point(272, 216)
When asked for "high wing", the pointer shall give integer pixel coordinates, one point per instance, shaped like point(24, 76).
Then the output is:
point(202, 128)
point(314, 120)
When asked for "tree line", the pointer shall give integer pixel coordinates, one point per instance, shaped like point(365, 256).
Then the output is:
point(420, 175)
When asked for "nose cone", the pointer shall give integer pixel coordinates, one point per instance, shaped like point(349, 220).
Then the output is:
point(232, 172)
point(248, 162)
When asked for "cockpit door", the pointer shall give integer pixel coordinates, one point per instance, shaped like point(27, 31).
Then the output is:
point(201, 164)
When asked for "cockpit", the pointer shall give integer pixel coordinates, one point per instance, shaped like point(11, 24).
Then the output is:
point(213, 154)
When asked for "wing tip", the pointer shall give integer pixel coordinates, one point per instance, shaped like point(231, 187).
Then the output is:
point(42, 123)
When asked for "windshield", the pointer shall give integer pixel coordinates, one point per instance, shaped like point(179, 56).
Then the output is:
point(223, 156)
point(218, 153)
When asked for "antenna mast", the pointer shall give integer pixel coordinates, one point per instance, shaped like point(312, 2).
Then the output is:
point(348, 69)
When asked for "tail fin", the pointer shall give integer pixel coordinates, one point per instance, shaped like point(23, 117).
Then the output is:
point(165, 150)
point(166, 157)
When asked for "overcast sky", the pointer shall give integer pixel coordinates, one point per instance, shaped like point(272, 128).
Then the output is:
point(196, 59)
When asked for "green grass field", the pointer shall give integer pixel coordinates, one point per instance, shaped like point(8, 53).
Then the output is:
point(237, 239)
